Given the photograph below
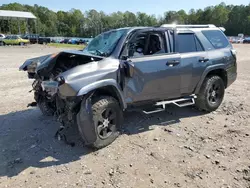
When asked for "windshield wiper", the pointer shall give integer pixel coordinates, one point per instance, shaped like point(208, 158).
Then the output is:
point(100, 53)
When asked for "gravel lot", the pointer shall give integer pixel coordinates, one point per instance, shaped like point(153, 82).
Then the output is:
point(177, 148)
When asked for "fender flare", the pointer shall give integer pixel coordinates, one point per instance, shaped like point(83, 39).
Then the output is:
point(206, 72)
point(103, 83)
point(85, 121)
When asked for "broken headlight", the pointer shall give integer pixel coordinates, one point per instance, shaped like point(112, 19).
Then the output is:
point(51, 87)
point(32, 67)
point(60, 80)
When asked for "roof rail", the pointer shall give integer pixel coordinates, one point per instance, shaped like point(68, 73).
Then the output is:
point(188, 26)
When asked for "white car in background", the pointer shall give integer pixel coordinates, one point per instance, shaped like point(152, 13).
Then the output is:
point(2, 36)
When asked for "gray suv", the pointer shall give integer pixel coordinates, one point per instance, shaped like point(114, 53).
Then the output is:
point(133, 68)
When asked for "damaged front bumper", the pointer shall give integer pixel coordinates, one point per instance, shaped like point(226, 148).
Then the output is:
point(84, 118)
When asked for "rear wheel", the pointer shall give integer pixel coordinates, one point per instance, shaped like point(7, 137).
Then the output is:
point(211, 94)
point(107, 117)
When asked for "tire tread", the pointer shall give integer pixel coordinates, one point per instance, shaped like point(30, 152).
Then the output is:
point(201, 101)
point(97, 104)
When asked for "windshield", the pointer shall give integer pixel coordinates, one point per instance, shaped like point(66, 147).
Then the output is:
point(104, 44)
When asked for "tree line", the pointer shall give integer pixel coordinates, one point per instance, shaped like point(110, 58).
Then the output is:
point(75, 23)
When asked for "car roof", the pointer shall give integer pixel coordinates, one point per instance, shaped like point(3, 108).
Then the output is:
point(183, 29)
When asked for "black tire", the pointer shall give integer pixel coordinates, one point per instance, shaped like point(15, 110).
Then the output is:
point(211, 94)
point(108, 118)
point(46, 108)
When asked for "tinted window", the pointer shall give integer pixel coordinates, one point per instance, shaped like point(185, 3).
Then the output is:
point(186, 43)
point(217, 39)
point(199, 47)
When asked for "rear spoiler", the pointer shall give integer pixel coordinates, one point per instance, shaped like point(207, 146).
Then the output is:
point(222, 29)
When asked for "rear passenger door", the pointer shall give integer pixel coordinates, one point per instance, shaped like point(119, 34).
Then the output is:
point(194, 60)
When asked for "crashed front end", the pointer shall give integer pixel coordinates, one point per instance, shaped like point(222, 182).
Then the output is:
point(62, 84)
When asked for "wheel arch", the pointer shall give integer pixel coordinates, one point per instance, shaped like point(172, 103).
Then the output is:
point(218, 70)
point(105, 87)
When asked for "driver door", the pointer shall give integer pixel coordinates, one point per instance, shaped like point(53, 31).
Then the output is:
point(155, 76)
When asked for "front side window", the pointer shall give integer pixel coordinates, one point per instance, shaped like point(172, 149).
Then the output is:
point(146, 43)
point(216, 38)
point(104, 44)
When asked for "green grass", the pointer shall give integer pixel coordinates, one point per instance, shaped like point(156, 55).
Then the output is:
point(74, 46)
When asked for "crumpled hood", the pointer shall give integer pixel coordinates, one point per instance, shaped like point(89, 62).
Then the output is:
point(44, 64)
point(36, 60)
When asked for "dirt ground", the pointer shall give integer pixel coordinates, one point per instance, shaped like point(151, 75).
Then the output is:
point(177, 148)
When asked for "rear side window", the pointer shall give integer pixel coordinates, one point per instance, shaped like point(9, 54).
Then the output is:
point(186, 42)
point(216, 38)
point(198, 45)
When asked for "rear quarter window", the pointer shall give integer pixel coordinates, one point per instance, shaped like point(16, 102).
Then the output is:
point(216, 38)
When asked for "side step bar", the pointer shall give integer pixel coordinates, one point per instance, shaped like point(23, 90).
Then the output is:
point(182, 102)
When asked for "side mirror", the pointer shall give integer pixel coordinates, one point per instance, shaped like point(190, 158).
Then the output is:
point(124, 57)
point(129, 69)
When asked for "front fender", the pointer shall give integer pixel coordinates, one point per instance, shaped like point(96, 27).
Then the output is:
point(85, 121)
point(205, 73)
point(103, 83)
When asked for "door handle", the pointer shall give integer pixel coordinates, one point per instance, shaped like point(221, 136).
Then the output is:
point(203, 60)
point(173, 63)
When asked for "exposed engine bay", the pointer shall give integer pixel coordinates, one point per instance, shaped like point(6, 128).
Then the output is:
point(67, 61)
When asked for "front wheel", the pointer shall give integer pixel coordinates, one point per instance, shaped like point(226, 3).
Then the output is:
point(211, 94)
point(107, 117)
point(47, 108)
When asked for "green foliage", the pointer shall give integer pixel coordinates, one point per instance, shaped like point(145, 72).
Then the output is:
point(73, 46)
point(74, 23)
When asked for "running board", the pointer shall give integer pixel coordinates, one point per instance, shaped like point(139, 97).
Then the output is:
point(182, 102)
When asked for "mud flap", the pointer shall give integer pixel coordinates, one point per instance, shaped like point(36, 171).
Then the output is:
point(85, 121)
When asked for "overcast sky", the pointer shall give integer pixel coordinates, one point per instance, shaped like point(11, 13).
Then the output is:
point(156, 7)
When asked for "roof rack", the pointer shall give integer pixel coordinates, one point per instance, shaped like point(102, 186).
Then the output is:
point(188, 26)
